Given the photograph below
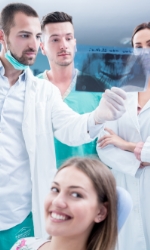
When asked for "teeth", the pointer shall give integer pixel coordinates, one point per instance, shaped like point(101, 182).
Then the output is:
point(58, 217)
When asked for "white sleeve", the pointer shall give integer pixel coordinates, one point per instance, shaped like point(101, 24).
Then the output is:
point(145, 153)
point(70, 127)
point(116, 158)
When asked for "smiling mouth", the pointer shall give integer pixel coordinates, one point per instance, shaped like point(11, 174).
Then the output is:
point(59, 217)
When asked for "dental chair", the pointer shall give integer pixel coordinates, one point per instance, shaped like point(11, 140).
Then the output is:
point(124, 206)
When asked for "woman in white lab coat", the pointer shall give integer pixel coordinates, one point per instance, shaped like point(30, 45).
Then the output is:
point(124, 145)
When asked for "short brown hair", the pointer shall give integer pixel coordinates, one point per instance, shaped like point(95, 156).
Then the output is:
point(8, 13)
point(141, 26)
point(55, 17)
point(104, 234)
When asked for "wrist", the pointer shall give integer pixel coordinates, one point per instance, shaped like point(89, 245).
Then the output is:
point(130, 146)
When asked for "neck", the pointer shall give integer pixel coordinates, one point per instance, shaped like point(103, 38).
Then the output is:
point(10, 72)
point(59, 75)
point(67, 243)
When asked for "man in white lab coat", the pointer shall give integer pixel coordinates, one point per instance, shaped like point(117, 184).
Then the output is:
point(32, 111)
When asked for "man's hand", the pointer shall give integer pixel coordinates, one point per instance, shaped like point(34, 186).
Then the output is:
point(111, 106)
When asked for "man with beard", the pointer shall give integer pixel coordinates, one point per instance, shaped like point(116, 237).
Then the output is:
point(32, 111)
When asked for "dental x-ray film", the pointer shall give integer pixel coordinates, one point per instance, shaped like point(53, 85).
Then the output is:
point(102, 68)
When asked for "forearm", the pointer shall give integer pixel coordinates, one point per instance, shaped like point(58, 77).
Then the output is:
point(129, 146)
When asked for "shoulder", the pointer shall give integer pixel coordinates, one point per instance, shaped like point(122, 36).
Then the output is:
point(41, 83)
point(41, 76)
point(30, 243)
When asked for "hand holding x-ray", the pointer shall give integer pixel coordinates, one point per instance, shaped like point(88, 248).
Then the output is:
point(111, 106)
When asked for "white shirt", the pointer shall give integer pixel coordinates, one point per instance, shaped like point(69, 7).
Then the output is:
point(15, 180)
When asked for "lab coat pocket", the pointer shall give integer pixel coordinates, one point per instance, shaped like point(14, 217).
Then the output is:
point(43, 118)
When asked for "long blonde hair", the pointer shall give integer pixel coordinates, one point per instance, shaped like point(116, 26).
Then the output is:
point(104, 234)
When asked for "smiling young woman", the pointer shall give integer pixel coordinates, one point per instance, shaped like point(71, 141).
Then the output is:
point(80, 210)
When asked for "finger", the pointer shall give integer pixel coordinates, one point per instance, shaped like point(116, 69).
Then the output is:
point(109, 131)
point(103, 138)
point(136, 152)
point(114, 105)
point(119, 92)
point(105, 143)
point(113, 98)
point(139, 156)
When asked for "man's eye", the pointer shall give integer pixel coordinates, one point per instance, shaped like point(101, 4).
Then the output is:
point(38, 37)
point(76, 195)
point(69, 38)
point(55, 40)
point(24, 36)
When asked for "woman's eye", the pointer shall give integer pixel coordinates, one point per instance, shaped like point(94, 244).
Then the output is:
point(76, 195)
point(54, 189)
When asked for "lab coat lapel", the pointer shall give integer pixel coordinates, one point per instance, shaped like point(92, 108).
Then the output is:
point(28, 125)
point(132, 103)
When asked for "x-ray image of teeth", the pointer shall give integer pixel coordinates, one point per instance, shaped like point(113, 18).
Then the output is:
point(100, 71)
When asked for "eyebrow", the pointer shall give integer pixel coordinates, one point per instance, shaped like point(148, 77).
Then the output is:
point(28, 32)
point(71, 187)
point(140, 43)
point(59, 35)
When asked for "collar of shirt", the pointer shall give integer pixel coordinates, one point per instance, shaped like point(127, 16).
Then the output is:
point(22, 77)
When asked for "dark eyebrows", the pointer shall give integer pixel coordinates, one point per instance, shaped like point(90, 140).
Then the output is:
point(76, 187)
point(29, 33)
point(140, 43)
point(56, 183)
point(68, 34)
point(71, 187)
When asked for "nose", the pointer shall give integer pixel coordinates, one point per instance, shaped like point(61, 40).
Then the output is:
point(60, 201)
point(34, 43)
point(63, 44)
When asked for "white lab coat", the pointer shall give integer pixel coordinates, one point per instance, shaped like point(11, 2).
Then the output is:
point(135, 235)
point(46, 114)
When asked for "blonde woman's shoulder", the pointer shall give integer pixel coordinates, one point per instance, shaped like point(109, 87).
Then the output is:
point(30, 243)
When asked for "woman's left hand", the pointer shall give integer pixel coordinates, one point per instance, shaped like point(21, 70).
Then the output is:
point(113, 139)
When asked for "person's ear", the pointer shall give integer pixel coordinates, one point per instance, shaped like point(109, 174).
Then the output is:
point(102, 214)
point(42, 48)
point(2, 38)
